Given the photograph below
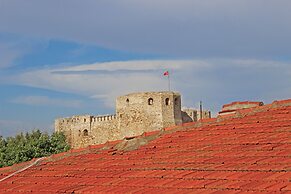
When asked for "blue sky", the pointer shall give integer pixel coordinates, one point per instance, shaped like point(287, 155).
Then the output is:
point(62, 58)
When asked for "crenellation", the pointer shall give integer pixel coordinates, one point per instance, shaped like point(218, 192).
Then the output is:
point(135, 114)
point(103, 118)
point(90, 119)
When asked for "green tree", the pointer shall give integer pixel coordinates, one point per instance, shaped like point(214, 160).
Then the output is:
point(31, 145)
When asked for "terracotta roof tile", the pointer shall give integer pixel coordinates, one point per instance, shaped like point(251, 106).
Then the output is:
point(247, 153)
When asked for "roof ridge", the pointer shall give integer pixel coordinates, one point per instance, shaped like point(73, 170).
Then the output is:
point(23, 169)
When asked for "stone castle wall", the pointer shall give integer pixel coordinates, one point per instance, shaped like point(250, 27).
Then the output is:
point(193, 115)
point(135, 114)
point(82, 131)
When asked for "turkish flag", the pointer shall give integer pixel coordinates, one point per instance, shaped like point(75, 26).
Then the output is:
point(166, 73)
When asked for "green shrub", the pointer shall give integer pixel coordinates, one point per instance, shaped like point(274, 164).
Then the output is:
point(36, 144)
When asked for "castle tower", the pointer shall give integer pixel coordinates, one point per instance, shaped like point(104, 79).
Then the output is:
point(147, 111)
point(135, 114)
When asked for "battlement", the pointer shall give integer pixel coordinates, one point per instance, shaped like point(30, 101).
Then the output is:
point(89, 118)
point(103, 118)
point(136, 113)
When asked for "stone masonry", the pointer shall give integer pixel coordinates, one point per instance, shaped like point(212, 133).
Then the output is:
point(136, 113)
point(193, 115)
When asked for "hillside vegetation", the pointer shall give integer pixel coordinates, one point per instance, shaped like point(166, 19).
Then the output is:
point(24, 147)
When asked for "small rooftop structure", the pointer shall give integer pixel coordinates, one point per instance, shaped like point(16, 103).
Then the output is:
point(234, 106)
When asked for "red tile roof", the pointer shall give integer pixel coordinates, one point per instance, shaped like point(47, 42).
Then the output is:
point(249, 151)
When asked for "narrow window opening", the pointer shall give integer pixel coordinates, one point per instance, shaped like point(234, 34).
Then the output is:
point(85, 132)
point(150, 101)
point(167, 101)
point(127, 101)
point(84, 120)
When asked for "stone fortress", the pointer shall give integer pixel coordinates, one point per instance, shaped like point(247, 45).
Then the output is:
point(136, 113)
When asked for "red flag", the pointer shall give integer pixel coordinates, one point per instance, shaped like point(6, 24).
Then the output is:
point(166, 73)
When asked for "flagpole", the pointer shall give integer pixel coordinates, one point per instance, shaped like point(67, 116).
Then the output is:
point(169, 84)
point(166, 73)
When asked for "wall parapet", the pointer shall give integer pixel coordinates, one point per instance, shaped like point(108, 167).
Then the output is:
point(87, 118)
point(103, 118)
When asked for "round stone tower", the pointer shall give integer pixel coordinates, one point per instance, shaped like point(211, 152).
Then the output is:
point(147, 111)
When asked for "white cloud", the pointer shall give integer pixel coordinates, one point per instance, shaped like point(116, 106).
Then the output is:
point(139, 65)
point(9, 52)
point(7, 55)
point(13, 48)
point(214, 81)
point(46, 101)
point(148, 76)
